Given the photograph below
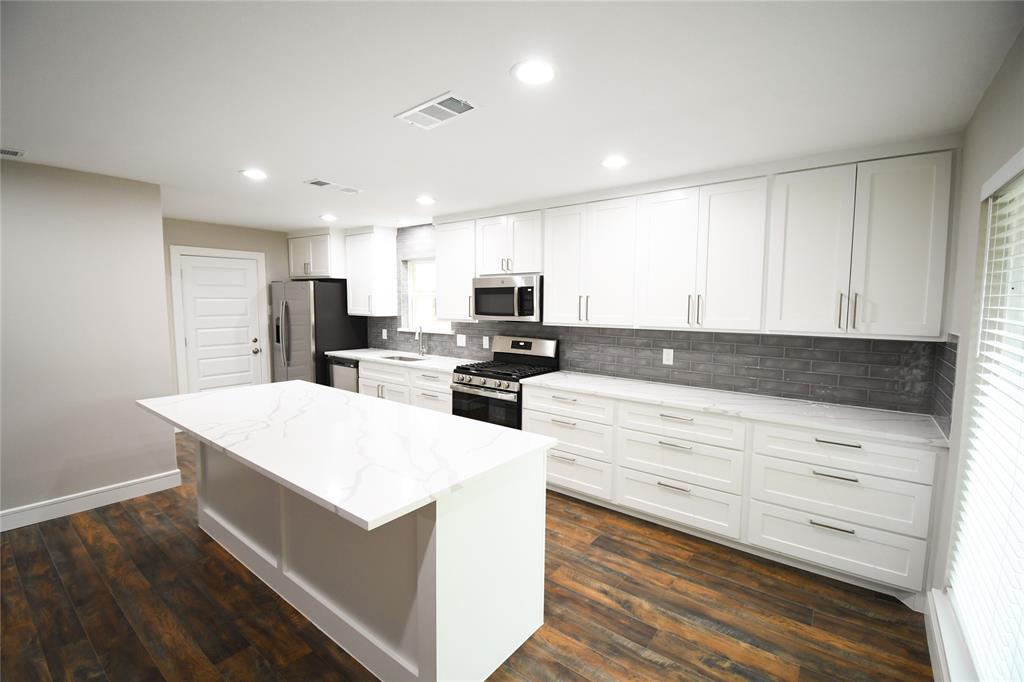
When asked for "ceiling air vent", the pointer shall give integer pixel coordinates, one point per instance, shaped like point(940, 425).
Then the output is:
point(327, 184)
point(6, 153)
point(435, 111)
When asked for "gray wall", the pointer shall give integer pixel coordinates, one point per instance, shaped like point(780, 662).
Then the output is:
point(84, 333)
point(945, 382)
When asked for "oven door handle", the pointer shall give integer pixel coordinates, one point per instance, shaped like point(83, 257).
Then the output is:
point(486, 393)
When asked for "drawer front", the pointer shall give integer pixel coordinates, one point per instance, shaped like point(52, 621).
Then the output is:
point(575, 436)
point(577, 405)
point(858, 498)
point(385, 373)
point(439, 401)
point(441, 381)
point(691, 426)
point(867, 552)
point(693, 505)
point(581, 474)
point(707, 465)
point(846, 452)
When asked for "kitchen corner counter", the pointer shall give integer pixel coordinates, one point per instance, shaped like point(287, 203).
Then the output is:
point(435, 363)
point(918, 429)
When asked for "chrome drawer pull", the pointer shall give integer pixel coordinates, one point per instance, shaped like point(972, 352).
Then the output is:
point(841, 478)
point(825, 525)
point(429, 395)
point(429, 376)
point(674, 487)
point(570, 460)
point(560, 397)
point(835, 442)
point(563, 422)
point(675, 445)
point(672, 416)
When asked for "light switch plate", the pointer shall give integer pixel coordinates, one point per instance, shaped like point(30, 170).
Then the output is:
point(666, 356)
point(460, 339)
point(384, 334)
point(487, 342)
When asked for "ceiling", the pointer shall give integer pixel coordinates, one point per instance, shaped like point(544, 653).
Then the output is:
point(186, 94)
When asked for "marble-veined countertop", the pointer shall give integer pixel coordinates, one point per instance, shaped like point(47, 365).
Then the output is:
point(368, 460)
point(435, 363)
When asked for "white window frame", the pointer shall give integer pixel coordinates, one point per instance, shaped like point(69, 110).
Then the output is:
point(438, 326)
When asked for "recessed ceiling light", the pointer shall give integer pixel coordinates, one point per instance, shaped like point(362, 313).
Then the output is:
point(425, 200)
point(254, 174)
point(615, 161)
point(328, 217)
point(534, 72)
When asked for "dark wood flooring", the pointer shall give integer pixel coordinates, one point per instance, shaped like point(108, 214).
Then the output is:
point(136, 591)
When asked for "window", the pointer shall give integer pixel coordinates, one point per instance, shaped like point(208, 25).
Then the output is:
point(987, 573)
point(421, 310)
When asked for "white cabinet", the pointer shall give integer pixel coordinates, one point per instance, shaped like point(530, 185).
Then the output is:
point(372, 272)
point(810, 241)
point(666, 259)
point(730, 263)
point(379, 389)
point(422, 388)
point(455, 270)
point(509, 243)
point(588, 263)
point(439, 401)
point(899, 245)
point(317, 255)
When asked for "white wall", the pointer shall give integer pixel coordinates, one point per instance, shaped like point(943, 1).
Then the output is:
point(84, 334)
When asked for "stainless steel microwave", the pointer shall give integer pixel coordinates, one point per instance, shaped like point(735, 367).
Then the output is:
point(507, 297)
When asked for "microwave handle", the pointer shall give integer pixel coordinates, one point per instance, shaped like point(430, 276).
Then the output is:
point(515, 301)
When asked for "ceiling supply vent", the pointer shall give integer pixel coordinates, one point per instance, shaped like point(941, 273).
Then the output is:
point(327, 184)
point(435, 111)
point(6, 153)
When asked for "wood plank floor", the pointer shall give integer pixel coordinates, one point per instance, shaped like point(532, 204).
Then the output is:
point(136, 591)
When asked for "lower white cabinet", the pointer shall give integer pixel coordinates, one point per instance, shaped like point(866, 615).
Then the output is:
point(439, 401)
point(686, 424)
point(582, 474)
point(422, 388)
point(868, 552)
point(686, 503)
point(573, 405)
point(706, 465)
point(394, 392)
point(575, 436)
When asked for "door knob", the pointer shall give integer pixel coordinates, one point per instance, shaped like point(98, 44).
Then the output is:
point(255, 351)
point(255, 340)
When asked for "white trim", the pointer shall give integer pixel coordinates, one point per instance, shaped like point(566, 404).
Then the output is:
point(86, 500)
point(262, 304)
point(1009, 170)
point(951, 660)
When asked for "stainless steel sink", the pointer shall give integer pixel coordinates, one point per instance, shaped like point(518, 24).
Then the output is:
point(403, 358)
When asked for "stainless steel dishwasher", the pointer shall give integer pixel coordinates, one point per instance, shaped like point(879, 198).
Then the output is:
point(345, 374)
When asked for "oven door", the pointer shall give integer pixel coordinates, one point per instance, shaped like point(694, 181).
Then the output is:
point(482, 404)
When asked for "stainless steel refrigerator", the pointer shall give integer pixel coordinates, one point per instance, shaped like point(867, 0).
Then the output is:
point(310, 318)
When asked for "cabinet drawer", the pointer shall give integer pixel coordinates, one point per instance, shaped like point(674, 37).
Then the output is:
point(693, 505)
point(441, 381)
point(867, 552)
point(707, 465)
point(859, 498)
point(685, 424)
point(575, 436)
point(381, 372)
point(846, 452)
point(567, 404)
point(581, 474)
point(439, 401)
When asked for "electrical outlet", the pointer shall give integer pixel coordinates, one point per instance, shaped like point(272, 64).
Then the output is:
point(666, 356)
point(384, 334)
point(487, 342)
point(460, 340)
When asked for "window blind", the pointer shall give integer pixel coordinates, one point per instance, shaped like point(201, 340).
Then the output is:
point(987, 572)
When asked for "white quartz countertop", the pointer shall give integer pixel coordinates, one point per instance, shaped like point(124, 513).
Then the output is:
point(368, 460)
point(436, 363)
point(861, 421)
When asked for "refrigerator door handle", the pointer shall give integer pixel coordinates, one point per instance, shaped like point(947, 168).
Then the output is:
point(287, 346)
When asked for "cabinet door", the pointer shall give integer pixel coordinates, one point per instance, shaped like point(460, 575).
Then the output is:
point(493, 248)
point(809, 244)
point(527, 241)
point(455, 270)
point(299, 257)
point(320, 255)
point(370, 388)
point(731, 255)
point(396, 393)
point(358, 265)
point(608, 271)
point(563, 240)
point(899, 245)
point(666, 259)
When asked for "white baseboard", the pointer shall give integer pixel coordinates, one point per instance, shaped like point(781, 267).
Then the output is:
point(88, 499)
point(951, 660)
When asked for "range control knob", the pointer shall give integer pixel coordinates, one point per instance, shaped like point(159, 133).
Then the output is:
point(504, 384)
point(483, 382)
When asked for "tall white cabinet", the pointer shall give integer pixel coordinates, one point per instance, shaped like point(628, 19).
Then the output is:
point(509, 243)
point(456, 250)
point(666, 259)
point(371, 256)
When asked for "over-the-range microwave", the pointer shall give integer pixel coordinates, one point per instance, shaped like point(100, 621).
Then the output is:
point(507, 297)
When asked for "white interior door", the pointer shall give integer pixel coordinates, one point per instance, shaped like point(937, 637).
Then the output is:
point(223, 335)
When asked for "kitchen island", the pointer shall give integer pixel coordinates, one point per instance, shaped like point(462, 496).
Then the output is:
point(414, 539)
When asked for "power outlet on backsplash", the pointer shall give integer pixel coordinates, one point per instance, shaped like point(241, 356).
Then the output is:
point(460, 340)
point(384, 334)
point(487, 341)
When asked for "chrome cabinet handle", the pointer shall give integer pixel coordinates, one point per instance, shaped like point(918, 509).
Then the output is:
point(670, 444)
point(677, 418)
point(429, 395)
point(579, 308)
point(848, 531)
point(840, 321)
point(571, 460)
point(689, 307)
point(469, 307)
point(674, 487)
point(563, 398)
point(305, 268)
point(429, 376)
point(853, 312)
point(698, 310)
point(369, 302)
point(586, 317)
point(835, 442)
point(510, 265)
point(563, 422)
point(840, 478)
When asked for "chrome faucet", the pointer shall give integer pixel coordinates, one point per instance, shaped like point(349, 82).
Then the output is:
point(423, 342)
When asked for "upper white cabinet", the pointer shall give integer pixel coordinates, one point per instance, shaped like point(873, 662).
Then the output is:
point(371, 256)
point(730, 253)
point(455, 270)
point(810, 241)
point(666, 259)
point(318, 255)
point(900, 229)
point(563, 243)
point(511, 243)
